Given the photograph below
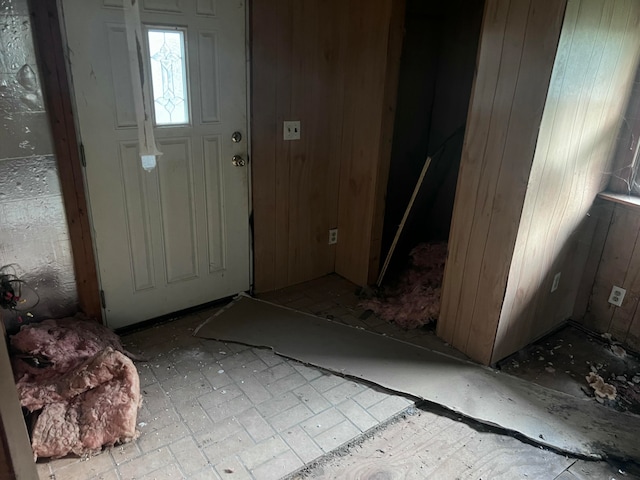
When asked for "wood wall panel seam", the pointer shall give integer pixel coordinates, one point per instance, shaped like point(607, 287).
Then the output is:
point(593, 261)
point(284, 84)
point(392, 73)
point(622, 317)
point(365, 78)
point(263, 101)
point(480, 305)
point(485, 85)
point(540, 175)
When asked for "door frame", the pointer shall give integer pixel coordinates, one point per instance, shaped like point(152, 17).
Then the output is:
point(58, 98)
point(50, 57)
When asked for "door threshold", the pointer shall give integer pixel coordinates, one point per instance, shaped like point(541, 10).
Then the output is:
point(169, 317)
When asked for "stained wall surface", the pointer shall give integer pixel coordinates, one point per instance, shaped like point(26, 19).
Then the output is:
point(33, 228)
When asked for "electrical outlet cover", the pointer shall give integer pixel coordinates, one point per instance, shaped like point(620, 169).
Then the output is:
point(333, 236)
point(617, 296)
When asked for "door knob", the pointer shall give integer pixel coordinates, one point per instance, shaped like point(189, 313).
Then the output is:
point(238, 161)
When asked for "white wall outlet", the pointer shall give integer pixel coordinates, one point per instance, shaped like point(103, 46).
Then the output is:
point(333, 236)
point(291, 130)
point(617, 296)
point(556, 282)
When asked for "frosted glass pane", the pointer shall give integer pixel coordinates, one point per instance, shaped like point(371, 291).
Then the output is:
point(169, 76)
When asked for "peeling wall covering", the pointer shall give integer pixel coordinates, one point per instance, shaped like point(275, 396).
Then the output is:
point(33, 227)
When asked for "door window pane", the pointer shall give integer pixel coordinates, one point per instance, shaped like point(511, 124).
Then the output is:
point(169, 76)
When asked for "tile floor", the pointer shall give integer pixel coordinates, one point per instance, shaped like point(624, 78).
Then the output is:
point(214, 410)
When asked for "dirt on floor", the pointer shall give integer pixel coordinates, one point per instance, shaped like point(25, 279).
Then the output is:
point(582, 364)
point(431, 442)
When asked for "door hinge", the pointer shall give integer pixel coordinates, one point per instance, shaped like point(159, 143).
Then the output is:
point(102, 300)
point(83, 159)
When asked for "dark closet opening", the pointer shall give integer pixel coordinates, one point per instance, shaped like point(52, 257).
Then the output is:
point(436, 77)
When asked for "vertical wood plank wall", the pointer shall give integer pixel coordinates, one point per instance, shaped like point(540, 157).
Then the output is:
point(374, 44)
point(323, 63)
point(295, 76)
point(517, 50)
point(592, 78)
point(619, 265)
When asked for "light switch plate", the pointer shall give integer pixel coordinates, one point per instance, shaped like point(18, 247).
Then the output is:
point(291, 130)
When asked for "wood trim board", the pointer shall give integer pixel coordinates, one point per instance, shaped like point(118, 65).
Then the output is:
point(15, 447)
point(387, 260)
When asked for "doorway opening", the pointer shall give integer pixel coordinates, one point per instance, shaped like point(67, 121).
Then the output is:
point(435, 85)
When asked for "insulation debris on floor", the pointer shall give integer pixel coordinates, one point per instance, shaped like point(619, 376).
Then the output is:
point(415, 299)
point(78, 384)
point(584, 365)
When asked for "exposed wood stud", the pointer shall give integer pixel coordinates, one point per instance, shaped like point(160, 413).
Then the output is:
point(51, 61)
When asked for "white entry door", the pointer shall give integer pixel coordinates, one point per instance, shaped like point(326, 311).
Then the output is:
point(178, 235)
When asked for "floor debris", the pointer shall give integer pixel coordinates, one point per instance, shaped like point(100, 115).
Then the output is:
point(415, 299)
point(575, 425)
point(619, 351)
point(600, 387)
point(581, 359)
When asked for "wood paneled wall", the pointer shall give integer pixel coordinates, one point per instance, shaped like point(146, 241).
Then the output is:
point(323, 62)
point(517, 49)
point(523, 203)
point(374, 44)
point(618, 264)
point(296, 75)
point(592, 78)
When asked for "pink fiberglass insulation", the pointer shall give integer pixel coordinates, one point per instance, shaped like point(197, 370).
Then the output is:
point(64, 344)
point(415, 299)
point(94, 405)
point(84, 391)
